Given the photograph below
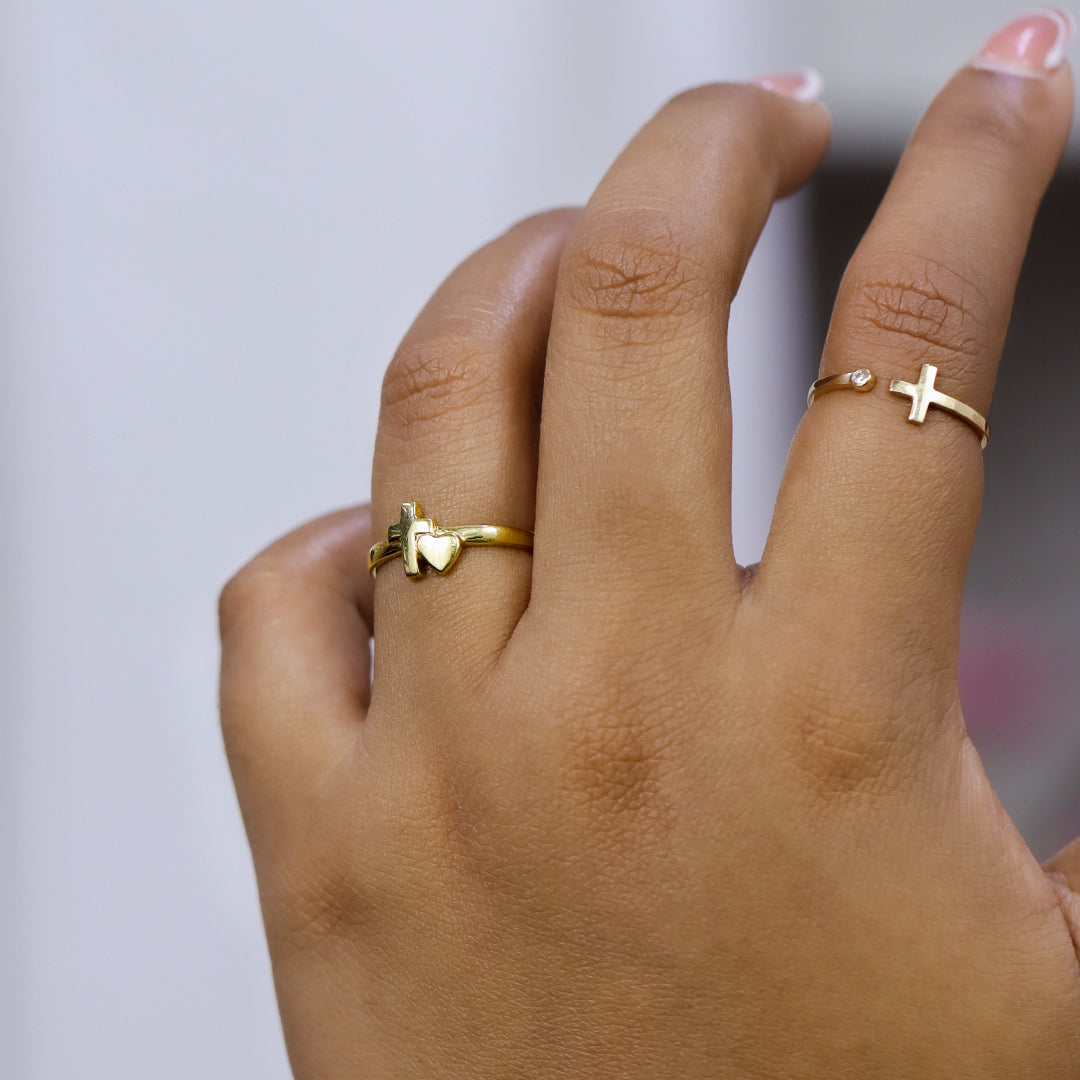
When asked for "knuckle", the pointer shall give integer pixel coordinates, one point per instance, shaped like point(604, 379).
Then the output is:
point(429, 382)
point(618, 746)
point(632, 268)
point(322, 879)
point(843, 748)
point(843, 753)
point(315, 904)
point(925, 309)
point(248, 594)
point(612, 766)
point(248, 606)
point(853, 737)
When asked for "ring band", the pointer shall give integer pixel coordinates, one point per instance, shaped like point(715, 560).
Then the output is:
point(860, 380)
point(923, 394)
point(422, 543)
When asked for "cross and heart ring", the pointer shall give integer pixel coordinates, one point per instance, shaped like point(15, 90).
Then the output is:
point(423, 544)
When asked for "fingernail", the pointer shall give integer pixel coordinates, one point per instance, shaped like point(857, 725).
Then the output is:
point(1031, 45)
point(805, 84)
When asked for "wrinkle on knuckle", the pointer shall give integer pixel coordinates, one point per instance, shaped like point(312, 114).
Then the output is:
point(926, 309)
point(618, 746)
point(632, 269)
point(317, 903)
point(428, 383)
point(612, 765)
point(470, 818)
point(843, 749)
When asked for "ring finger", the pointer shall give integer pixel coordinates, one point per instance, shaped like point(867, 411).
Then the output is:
point(457, 435)
point(876, 516)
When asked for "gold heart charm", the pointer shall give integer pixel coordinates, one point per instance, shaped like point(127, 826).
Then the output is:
point(439, 550)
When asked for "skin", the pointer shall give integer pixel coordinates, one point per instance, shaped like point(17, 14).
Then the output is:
point(622, 808)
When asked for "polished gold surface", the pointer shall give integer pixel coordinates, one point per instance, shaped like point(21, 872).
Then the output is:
point(422, 543)
point(923, 394)
point(861, 380)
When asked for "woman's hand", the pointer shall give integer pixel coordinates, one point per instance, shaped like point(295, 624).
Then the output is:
point(622, 808)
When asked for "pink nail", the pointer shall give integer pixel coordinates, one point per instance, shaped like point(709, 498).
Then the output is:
point(1031, 45)
point(803, 85)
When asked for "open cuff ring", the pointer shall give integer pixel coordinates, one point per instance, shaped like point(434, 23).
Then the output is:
point(923, 394)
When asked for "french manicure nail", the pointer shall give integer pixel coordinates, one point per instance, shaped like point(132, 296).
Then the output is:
point(1032, 45)
point(805, 84)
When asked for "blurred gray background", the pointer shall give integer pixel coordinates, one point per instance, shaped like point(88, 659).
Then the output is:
point(218, 219)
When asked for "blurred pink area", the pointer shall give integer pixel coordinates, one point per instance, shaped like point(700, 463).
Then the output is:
point(1014, 674)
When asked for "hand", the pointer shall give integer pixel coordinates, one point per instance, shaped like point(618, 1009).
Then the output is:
point(621, 808)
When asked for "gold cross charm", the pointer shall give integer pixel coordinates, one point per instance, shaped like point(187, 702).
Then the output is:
point(411, 524)
point(923, 394)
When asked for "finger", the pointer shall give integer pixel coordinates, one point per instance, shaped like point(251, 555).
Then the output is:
point(1067, 863)
point(635, 460)
point(295, 631)
point(876, 515)
point(1063, 872)
point(457, 434)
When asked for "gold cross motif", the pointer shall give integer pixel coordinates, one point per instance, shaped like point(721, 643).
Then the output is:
point(423, 544)
point(922, 394)
point(410, 526)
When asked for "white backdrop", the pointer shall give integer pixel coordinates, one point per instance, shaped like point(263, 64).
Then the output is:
point(219, 217)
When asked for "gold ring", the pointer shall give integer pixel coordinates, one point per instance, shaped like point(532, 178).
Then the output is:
point(860, 380)
point(923, 394)
point(421, 543)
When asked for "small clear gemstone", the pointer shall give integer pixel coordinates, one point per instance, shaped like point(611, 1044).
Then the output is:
point(860, 377)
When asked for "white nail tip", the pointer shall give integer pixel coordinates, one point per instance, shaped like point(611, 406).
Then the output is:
point(807, 89)
point(812, 87)
point(1066, 32)
point(1003, 67)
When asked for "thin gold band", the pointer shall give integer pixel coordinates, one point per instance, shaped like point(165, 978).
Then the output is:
point(422, 543)
point(923, 395)
point(860, 381)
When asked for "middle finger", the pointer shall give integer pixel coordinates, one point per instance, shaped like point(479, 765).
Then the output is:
point(635, 455)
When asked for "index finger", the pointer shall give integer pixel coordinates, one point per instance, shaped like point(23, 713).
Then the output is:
point(295, 631)
point(877, 515)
